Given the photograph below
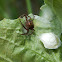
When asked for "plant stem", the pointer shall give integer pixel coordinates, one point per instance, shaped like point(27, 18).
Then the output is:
point(29, 9)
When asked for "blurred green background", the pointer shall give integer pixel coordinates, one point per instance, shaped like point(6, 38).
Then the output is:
point(14, 8)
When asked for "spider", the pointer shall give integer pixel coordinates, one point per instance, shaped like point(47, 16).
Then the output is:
point(28, 25)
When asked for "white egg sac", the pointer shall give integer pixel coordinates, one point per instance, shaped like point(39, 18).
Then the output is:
point(50, 40)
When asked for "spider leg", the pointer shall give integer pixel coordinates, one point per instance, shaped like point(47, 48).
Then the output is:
point(23, 15)
point(25, 33)
point(29, 17)
point(32, 32)
point(23, 26)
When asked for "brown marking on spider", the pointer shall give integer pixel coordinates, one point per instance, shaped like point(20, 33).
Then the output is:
point(28, 25)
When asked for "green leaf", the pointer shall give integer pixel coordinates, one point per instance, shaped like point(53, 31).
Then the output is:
point(57, 7)
point(15, 47)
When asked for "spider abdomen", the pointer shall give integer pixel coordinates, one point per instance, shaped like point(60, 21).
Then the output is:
point(29, 25)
